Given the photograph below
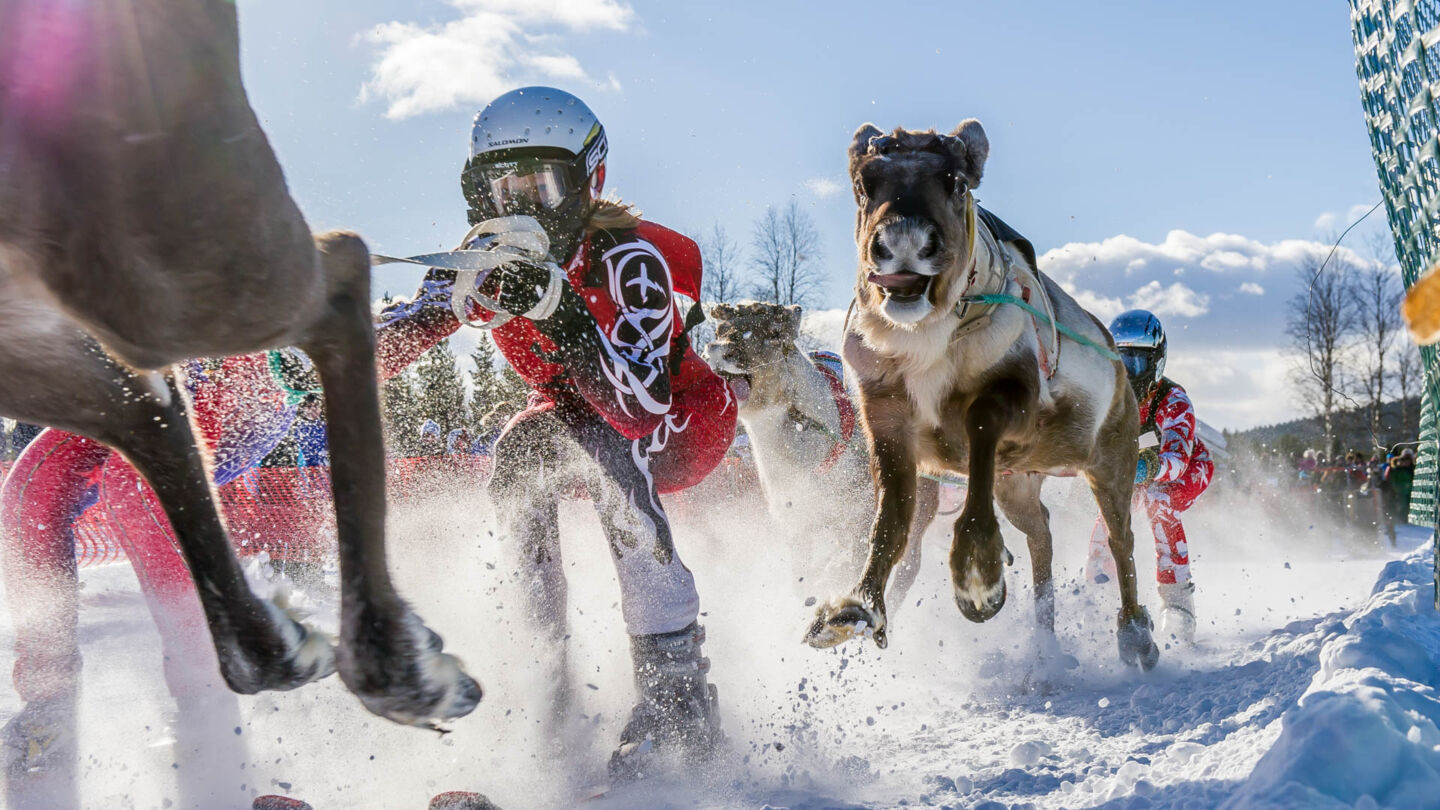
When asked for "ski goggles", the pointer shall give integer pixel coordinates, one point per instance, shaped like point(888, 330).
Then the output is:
point(1139, 363)
point(525, 184)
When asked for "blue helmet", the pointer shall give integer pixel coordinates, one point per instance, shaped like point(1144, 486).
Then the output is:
point(1140, 339)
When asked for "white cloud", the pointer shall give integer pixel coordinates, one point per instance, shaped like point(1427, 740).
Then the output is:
point(1176, 299)
point(1236, 389)
point(1233, 287)
point(495, 46)
point(1331, 221)
point(823, 186)
point(1103, 307)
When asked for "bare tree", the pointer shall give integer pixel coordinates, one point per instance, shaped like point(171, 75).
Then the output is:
point(722, 266)
point(785, 254)
point(1377, 297)
point(1321, 324)
point(1407, 376)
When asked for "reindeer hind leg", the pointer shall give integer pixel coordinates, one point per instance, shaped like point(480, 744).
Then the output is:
point(1133, 634)
point(1019, 498)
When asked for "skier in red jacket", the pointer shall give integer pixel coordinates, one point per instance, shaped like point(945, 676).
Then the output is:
point(620, 402)
point(1173, 470)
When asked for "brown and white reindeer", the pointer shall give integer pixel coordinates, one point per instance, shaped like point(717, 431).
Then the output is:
point(968, 360)
point(803, 434)
point(145, 220)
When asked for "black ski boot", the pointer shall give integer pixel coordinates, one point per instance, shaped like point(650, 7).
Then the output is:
point(678, 716)
point(41, 736)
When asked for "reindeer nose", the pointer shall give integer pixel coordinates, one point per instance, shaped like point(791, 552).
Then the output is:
point(878, 249)
point(932, 246)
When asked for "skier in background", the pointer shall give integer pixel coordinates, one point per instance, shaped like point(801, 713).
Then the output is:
point(1174, 468)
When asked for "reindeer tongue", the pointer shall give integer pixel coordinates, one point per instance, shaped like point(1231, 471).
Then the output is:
point(740, 387)
point(900, 283)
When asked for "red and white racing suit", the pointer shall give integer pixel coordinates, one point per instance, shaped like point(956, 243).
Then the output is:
point(1183, 473)
point(623, 407)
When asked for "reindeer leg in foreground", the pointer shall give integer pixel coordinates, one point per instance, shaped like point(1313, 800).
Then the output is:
point(1112, 493)
point(978, 555)
point(927, 503)
point(388, 658)
point(55, 375)
point(862, 613)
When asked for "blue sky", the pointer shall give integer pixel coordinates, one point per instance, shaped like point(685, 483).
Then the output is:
point(1122, 119)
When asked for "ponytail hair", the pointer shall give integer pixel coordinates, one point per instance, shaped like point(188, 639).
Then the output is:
point(611, 215)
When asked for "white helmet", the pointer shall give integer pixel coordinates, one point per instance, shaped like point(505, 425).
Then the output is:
point(537, 151)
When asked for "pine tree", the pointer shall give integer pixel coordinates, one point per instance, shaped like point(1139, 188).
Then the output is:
point(513, 390)
point(484, 384)
point(400, 407)
point(441, 393)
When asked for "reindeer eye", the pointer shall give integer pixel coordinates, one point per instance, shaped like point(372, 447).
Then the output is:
point(957, 184)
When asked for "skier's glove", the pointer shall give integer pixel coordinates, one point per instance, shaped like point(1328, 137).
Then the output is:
point(1147, 466)
point(434, 292)
point(529, 289)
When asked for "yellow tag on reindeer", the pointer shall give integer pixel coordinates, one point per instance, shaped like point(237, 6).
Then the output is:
point(1421, 308)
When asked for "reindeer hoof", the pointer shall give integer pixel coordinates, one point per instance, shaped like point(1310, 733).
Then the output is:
point(844, 619)
point(1136, 645)
point(980, 604)
point(289, 654)
point(405, 677)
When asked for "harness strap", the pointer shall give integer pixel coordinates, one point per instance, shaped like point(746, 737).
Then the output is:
point(1006, 298)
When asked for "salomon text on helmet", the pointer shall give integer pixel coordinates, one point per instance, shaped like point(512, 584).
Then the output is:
point(1140, 339)
point(536, 151)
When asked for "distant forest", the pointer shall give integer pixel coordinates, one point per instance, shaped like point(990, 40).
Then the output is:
point(1399, 422)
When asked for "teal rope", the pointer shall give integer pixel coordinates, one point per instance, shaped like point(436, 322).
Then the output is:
point(293, 395)
point(1004, 298)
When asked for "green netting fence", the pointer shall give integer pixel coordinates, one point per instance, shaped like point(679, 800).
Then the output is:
point(1397, 59)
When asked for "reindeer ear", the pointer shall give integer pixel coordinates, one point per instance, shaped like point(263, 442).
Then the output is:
point(859, 146)
point(861, 141)
point(792, 320)
point(970, 146)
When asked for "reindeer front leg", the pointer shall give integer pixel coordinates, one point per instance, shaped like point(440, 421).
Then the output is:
point(892, 466)
point(978, 555)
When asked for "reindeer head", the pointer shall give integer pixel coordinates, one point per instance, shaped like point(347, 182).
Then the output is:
point(750, 337)
point(912, 192)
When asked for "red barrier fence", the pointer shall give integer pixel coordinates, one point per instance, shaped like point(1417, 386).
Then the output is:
point(286, 511)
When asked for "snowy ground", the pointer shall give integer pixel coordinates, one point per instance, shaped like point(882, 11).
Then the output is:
point(939, 718)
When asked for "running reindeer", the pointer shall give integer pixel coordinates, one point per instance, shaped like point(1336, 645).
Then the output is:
point(955, 344)
point(144, 220)
point(810, 458)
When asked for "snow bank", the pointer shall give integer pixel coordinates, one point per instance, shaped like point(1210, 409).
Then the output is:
point(1365, 732)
